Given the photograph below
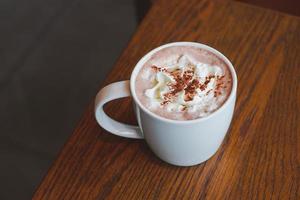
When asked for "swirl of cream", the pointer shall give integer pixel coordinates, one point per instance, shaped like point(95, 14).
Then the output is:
point(177, 103)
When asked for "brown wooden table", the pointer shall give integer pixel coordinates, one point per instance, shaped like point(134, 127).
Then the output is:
point(260, 157)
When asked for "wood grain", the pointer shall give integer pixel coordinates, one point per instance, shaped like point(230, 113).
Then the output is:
point(260, 157)
point(288, 6)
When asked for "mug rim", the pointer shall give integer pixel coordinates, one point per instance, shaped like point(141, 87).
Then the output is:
point(147, 56)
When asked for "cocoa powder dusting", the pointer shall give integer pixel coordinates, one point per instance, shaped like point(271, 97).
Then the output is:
point(186, 82)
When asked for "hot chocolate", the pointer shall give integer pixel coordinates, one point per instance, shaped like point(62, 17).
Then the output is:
point(183, 83)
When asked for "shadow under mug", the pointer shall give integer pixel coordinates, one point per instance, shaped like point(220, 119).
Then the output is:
point(182, 143)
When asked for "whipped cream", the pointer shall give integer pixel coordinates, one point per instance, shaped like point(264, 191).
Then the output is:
point(183, 84)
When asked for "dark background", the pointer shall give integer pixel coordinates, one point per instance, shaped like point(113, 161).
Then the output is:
point(54, 55)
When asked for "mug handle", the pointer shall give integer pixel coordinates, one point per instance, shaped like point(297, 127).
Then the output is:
point(108, 93)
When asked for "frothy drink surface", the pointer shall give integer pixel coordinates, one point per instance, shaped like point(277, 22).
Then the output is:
point(183, 83)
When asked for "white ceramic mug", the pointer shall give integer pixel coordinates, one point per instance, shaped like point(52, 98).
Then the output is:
point(182, 143)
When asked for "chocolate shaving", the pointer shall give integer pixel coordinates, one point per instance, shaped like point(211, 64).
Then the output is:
point(186, 82)
point(158, 69)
